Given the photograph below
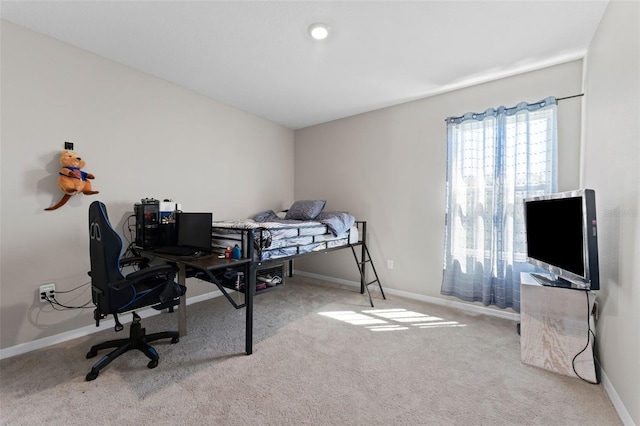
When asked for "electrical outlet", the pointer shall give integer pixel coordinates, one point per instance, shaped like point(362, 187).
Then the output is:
point(47, 290)
point(389, 264)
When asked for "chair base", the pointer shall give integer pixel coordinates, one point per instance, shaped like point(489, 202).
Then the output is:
point(138, 339)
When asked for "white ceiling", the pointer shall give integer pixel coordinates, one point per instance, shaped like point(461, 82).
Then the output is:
point(258, 57)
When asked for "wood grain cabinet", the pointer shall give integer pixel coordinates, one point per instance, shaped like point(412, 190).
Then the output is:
point(555, 326)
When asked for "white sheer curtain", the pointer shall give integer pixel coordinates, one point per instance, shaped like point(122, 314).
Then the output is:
point(495, 159)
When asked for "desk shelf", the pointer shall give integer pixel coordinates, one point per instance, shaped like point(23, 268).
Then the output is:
point(235, 280)
point(275, 272)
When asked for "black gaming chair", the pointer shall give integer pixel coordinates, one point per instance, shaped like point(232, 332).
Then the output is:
point(113, 293)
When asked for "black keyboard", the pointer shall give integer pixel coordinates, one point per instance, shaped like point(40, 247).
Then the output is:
point(176, 250)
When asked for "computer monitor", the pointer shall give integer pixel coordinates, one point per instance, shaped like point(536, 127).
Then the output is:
point(561, 234)
point(194, 230)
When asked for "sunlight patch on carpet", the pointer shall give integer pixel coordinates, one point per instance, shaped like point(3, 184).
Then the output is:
point(388, 319)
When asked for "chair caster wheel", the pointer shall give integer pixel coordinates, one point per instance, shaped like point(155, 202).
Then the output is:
point(175, 340)
point(92, 376)
point(152, 364)
point(91, 354)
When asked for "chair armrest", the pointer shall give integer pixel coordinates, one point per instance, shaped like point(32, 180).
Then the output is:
point(143, 262)
point(144, 274)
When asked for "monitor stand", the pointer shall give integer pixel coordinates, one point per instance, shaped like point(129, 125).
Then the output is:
point(548, 281)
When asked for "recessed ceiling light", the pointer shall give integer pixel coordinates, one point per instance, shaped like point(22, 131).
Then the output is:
point(319, 31)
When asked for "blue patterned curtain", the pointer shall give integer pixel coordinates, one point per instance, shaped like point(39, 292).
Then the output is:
point(495, 159)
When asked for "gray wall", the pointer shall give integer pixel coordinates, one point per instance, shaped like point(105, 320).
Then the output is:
point(141, 137)
point(388, 167)
point(612, 168)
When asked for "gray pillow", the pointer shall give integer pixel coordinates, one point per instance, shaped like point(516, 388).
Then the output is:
point(305, 209)
point(265, 216)
point(337, 222)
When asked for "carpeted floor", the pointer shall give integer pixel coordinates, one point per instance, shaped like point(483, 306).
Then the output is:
point(321, 356)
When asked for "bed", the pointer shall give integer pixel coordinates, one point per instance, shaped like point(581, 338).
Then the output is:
point(270, 238)
point(282, 238)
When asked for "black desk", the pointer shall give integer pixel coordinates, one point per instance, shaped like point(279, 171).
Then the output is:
point(207, 264)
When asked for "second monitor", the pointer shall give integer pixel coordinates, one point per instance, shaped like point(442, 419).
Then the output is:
point(193, 230)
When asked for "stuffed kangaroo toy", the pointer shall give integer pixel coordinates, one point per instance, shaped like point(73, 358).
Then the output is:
point(72, 179)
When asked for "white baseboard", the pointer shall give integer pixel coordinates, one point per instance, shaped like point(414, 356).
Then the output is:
point(108, 323)
point(615, 400)
point(89, 329)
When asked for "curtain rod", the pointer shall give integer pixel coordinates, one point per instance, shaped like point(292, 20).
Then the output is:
point(569, 97)
point(557, 99)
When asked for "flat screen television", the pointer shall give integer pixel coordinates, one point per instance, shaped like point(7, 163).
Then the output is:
point(562, 238)
point(194, 230)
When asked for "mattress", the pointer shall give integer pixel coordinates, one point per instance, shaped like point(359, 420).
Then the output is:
point(273, 240)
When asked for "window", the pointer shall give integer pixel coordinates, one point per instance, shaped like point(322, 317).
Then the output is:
point(495, 159)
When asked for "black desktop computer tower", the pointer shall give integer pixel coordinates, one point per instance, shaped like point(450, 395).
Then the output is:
point(147, 215)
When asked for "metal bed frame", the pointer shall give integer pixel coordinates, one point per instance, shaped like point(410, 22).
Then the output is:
point(243, 237)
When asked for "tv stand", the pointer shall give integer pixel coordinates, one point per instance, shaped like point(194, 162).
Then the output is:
point(548, 281)
point(554, 328)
